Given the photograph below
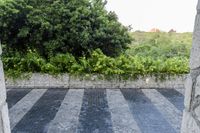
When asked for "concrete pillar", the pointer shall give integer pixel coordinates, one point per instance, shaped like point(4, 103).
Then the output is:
point(4, 119)
point(191, 115)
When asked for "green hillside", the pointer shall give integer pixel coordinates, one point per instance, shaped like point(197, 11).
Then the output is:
point(157, 45)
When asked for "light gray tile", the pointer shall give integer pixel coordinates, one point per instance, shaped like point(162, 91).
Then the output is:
point(66, 119)
point(122, 119)
point(24, 105)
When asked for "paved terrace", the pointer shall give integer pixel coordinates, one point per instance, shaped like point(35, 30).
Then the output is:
point(95, 110)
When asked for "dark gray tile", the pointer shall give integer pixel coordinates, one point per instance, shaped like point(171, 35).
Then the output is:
point(175, 97)
point(148, 118)
point(39, 117)
point(14, 95)
point(95, 116)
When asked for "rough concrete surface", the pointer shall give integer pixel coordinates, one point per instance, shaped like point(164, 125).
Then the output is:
point(4, 120)
point(191, 117)
point(70, 82)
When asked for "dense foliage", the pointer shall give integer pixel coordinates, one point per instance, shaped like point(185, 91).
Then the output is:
point(52, 27)
point(98, 63)
point(81, 37)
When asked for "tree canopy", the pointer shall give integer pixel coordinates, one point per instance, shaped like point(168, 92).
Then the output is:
point(60, 26)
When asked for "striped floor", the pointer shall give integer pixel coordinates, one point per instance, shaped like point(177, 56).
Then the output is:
point(95, 110)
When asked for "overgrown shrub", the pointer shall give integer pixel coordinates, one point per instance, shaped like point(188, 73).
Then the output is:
point(126, 66)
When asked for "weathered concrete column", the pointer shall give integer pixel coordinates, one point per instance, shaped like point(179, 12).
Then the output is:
point(191, 116)
point(4, 119)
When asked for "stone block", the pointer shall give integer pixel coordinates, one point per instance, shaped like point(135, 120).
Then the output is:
point(1, 126)
point(5, 119)
point(197, 112)
point(41, 80)
point(65, 81)
point(2, 85)
point(188, 92)
point(56, 81)
point(195, 56)
point(198, 5)
point(197, 87)
point(189, 125)
point(9, 83)
point(76, 83)
point(65, 78)
point(111, 84)
point(20, 83)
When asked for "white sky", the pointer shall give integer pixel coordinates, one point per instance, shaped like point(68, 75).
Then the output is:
point(162, 14)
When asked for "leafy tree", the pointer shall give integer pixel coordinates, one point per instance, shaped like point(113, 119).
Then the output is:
point(59, 26)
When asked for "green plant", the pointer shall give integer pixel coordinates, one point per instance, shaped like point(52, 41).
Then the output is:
point(127, 65)
point(165, 45)
point(59, 26)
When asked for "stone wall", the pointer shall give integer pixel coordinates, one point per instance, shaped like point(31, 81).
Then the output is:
point(4, 119)
point(191, 116)
point(65, 81)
